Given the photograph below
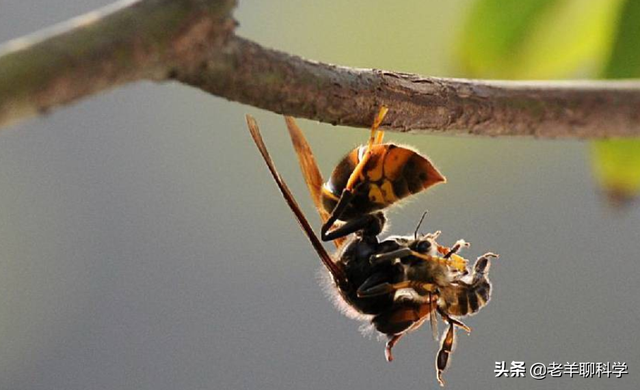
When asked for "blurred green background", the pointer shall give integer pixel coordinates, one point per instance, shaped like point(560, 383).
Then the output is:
point(144, 245)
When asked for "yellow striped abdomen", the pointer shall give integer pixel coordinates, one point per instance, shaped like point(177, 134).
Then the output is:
point(392, 173)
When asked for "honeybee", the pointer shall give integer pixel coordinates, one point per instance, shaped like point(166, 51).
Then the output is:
point(398, 283)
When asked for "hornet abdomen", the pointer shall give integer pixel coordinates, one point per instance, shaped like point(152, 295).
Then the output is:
point(392, 173)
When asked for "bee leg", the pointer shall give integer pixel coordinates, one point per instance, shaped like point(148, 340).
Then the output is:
point(446, 347)
point(456, 248)
point(453, 321)
point(480, 270)
point(459, 324)
point(481, 267)
point(393, 340)
point(456, 262)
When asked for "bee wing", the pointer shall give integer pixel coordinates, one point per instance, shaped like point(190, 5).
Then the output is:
point(336, 271)
point(310, 171)
point(433, 319)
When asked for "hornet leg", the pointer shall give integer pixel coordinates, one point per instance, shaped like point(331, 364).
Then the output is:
point(388, 288)
point(372, 224)
point(347, 193)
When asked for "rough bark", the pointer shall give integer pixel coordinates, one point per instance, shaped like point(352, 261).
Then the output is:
point(125, 42)
point(192, 41)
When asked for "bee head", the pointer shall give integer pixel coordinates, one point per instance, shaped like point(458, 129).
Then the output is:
point(425, 244)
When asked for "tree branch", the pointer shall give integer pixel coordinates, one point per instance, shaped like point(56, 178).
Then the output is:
point(128, 41)
point(192, 41)
point(249, 73)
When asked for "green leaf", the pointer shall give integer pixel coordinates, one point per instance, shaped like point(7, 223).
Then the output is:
point(537, 39)
point(558, 39)
point(494, 32)
point(616, 163)
point(624, 61)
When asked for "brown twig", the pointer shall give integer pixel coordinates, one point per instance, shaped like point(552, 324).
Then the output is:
point(128, 41)
point(192, 41)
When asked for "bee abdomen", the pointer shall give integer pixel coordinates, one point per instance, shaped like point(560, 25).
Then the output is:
point(478, 296)
point(468, 299)
point(483, 293)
